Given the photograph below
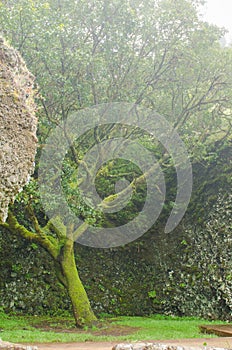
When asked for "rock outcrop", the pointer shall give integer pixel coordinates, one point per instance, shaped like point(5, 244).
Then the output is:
point(17, 126)
point(10, 346)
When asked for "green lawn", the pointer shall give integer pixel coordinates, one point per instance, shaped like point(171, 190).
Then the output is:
point(32, 329)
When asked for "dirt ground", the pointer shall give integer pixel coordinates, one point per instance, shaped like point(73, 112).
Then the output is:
point(221, 342)
point(118, 330)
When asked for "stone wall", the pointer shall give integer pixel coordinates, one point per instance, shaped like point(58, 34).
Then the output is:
point(184, 273)
point(17, 125)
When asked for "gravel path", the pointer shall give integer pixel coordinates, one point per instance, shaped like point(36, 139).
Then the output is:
point(220, 342)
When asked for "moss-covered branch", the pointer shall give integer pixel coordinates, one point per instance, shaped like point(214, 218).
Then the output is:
point(39, 237)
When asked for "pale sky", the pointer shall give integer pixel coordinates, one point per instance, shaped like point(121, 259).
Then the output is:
point(219, 12)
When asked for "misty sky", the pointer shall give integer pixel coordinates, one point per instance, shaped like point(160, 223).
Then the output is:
point(219, 12)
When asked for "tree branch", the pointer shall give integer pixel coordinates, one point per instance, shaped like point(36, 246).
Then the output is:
point(42, 239)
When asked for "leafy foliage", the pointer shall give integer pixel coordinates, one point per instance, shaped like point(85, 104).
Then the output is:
point(155, 53)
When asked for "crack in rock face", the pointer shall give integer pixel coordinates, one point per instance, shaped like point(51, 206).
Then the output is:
point(17, 126)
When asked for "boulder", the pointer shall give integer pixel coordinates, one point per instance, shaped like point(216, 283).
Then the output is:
point(9, 346)
point(17, 126)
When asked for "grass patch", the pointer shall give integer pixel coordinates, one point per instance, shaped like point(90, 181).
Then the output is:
point(58, 329)
point(160, 327)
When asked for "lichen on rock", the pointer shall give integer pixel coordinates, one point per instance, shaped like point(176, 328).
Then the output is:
point(17, 126)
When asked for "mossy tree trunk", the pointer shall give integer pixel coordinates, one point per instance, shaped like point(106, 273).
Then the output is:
point(54, 239)
point(82, 311)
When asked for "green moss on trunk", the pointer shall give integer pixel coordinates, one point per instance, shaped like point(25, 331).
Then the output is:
point(82, 311)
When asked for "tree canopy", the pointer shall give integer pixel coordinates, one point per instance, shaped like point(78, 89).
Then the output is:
point(157, 53)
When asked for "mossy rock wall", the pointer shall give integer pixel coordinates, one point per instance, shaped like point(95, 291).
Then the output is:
point(186, 272)
point(17, 126)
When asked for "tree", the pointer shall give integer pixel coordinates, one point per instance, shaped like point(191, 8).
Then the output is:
point(61, 250)
point(156, 54)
